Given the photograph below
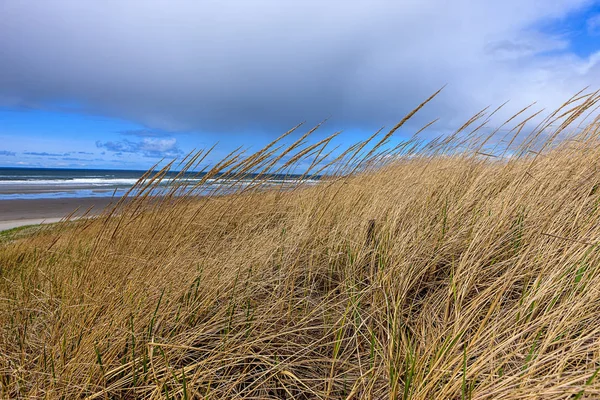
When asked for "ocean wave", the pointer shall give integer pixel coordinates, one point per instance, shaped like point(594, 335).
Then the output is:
point(132, 181)
point(70, 182)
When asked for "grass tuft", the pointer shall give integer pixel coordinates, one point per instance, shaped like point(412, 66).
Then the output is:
point(461, 267)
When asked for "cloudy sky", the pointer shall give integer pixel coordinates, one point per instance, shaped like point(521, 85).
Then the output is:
point(121, 84)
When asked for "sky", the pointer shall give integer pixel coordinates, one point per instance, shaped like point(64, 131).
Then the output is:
point(126, 83)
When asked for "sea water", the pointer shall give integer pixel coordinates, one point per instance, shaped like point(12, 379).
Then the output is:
point(39, 183)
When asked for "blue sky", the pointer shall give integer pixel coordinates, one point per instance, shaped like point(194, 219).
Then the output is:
point(125, 84)
point(42, 138)
point(73, 139)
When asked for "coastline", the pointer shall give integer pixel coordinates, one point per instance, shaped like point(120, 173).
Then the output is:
point(17, 213)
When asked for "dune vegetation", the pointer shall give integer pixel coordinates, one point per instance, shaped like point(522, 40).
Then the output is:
point(465, 267)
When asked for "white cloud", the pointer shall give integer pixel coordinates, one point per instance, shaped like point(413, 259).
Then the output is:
point(593, 25)
point(158, 145)
point(268, 64)
point(148, 147)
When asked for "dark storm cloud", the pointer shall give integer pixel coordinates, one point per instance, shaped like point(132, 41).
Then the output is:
point(267, 64)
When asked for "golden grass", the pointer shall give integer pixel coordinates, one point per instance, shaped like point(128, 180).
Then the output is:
point(467, 267)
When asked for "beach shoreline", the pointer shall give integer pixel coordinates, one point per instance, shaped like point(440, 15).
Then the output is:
point(17, 213)
point(8, 225)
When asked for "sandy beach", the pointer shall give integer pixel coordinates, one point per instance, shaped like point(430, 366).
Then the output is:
point(15, 213)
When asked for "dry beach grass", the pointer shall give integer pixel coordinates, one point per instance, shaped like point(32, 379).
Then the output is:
point(465, 267)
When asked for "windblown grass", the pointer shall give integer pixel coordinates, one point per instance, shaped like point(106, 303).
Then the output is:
point(466, 267)
point(18, 232)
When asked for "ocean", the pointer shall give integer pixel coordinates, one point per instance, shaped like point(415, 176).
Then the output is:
point(40, 183)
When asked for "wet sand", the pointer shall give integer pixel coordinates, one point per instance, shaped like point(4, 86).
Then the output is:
point(15, 213)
